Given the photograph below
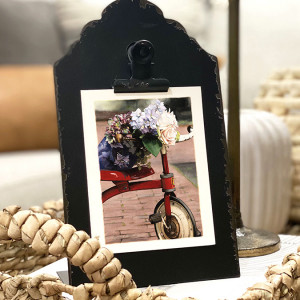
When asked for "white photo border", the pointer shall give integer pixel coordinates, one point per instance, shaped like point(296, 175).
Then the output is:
point(88, 99)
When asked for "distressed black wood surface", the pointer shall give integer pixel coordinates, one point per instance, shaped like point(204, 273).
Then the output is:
point(93, 63)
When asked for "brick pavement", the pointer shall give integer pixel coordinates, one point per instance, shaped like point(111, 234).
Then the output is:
point(126, 215)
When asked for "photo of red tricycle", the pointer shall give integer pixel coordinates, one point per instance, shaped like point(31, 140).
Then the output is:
point(150, 170)
point(172, 218)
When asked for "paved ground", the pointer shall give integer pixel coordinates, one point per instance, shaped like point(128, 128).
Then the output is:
point(126, 215)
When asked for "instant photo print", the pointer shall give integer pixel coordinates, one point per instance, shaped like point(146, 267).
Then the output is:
point(143, 147)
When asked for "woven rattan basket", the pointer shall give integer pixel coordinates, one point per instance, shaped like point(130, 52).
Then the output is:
point(31, 239)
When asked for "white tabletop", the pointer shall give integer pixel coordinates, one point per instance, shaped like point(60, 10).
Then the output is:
point(252, 271)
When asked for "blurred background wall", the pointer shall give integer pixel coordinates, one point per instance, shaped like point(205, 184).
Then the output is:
point(40, 31)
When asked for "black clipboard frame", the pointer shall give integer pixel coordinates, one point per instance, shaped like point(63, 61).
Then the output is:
point(94, 62)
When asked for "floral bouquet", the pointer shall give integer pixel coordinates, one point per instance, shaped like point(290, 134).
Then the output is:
point(131, 138)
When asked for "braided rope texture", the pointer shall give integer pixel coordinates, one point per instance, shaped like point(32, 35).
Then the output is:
point(50, 236)
point(16, 257)
point(283, 281)
point(280, 93)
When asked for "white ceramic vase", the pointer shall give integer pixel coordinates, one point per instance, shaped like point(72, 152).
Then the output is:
point(265, 170)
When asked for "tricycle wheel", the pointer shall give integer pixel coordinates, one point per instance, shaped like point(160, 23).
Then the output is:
point(182, 222)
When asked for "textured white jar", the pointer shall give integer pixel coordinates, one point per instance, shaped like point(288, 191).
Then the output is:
point(265, 170)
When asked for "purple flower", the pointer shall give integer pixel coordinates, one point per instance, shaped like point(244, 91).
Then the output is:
point(160, 106)
point(137, 119)
point(146, 121)
point(122, 161)
point(119, 124)
point(116, 145)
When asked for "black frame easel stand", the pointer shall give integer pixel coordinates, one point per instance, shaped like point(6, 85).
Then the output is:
point(95, 62)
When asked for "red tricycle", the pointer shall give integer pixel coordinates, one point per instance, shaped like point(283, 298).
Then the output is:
point(172, 218)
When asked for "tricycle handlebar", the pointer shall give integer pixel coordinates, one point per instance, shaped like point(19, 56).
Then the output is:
point(186, 137)
point(182, 138)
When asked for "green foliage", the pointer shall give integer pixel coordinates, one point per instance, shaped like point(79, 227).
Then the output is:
point(152, 144)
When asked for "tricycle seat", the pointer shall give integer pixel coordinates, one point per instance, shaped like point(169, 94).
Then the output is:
point(130, 174)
